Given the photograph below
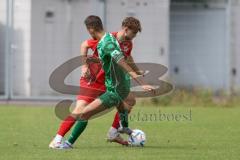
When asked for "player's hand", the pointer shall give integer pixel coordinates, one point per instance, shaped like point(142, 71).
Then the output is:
point(140, 72)
point(85, 72)
point(149, 88)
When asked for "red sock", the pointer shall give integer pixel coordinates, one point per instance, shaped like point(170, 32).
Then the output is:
point(66, 125)
point(116, 121)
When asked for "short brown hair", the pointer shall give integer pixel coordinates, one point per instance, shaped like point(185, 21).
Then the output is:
point(94, 22)
point(132, 23)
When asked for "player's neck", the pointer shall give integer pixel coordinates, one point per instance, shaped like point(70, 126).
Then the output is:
point(100, 35)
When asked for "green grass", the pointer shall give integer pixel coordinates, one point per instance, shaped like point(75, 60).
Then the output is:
point(211, 133)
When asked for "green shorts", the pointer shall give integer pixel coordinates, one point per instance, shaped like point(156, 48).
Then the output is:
point(113, 98)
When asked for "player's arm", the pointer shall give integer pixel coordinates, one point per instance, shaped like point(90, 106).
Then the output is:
point(133, 65)
point(122, 62)
point(83, 52)
point(138, 78)
point(115, 52)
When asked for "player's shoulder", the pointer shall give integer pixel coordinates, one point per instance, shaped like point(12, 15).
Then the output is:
point(106, 39)
point(92, 42)
point(107, 43)
point(114, 34)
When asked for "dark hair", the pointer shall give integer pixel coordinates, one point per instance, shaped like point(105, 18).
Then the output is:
point(94, 22)
point(132, 23)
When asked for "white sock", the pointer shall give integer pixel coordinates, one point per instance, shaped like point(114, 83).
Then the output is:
point(58, 138)
point(112, 133)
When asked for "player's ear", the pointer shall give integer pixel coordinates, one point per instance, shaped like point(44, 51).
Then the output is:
point(125, 29)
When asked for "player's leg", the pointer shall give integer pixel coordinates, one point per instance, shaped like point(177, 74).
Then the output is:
point(105, 101)
point(128, 104)
point(90, 110)
point(80, 125)
point(123, 115)
point(67, 124)
point(113, 134)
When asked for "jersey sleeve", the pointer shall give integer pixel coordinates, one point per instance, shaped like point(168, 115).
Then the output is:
point(112, 48)
point(92, 43)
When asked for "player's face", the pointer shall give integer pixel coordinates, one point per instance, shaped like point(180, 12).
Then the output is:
point(92, 32)
point(129, 34)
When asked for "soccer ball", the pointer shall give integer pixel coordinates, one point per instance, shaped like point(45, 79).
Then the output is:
point(137, 138)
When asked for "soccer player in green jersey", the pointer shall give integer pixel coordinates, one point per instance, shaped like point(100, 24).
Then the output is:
point(117, 78)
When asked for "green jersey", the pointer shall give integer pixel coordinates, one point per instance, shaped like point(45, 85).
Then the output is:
point(116, 79)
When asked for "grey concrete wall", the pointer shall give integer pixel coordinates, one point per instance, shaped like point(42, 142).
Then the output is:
point(2, 44)
point(57, 30)
point(21, 48)
point(235, 44)
point(199, 51)
point(152, 44)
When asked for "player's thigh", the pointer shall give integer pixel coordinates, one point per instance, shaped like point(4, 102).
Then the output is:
point(92, 109)
point(80, 105)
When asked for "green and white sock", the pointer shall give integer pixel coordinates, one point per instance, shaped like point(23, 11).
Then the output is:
point(124, 118)
point(77, 130)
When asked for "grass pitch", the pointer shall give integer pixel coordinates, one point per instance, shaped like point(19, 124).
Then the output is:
point(177, 132)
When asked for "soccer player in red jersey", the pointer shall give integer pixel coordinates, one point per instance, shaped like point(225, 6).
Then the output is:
point(92, 81)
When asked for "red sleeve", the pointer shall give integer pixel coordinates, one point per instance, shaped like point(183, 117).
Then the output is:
point(92, 43)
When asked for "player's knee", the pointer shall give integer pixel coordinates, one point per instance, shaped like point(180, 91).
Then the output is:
point(128, 108)
point(79, 107)
point(131, 102)
point(121, 107)
point(83, 116)
point(77, 110)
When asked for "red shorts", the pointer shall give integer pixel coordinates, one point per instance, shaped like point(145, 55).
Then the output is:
point(90, 91)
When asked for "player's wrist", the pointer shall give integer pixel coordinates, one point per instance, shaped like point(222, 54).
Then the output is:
point(84, 61)
point(139, 79)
